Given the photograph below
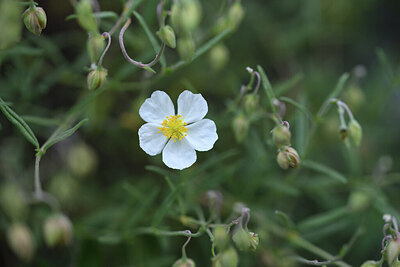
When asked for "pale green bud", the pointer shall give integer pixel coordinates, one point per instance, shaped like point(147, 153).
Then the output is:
point(67, 189)
point(370, 264)
point(221, 238)
point(186, 48)
point(167, 35)
point(95, 46)
point(355, 132)
point(57, 230)
point(185, 15)
point(392, 252)
point(35, 20)
point(184, 263)
point(245, 240)
point(20, 240)
point(250, 103)
point(235, 14)
point(82, 160)
point(227, 258)
point(288, 157)
point(218, 57)
point(13, 201)
point(240, 126)
point(86, 19)
point(10, 15)
point(254, 241)
point(281, 136)
point(354, 97)
point(96, 78)
point(359, 200)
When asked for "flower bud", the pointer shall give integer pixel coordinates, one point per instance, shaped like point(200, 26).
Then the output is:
point(245, 240)
point(85, 16)
point(96, 78)
point(167, 35)
point(185, 15)
point(81, 159)
point(355, 132)
point(184, 263)
point(20, 240)
point(227, 258)
point(57, 230)
point(35, 19)
point(288, 158)
point(218, 57)
point(392, 252)
point(10, 15)
point(370, 264)
point(13, 201)
point(281, 136)
point(354, 97)
point(250, 104)
point(95, 47)
point(240, 127)
point(186, 48)
point(254, 241)
point(343, 133)
point(235, 14)
point(221, 238)
point(358, 200)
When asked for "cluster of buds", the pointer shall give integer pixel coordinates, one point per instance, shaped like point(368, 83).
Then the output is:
point(351, 130)
point(35, 19)
point(391, 241)
point(287, 156)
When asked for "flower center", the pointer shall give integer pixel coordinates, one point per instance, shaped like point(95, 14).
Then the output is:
point(173, 127)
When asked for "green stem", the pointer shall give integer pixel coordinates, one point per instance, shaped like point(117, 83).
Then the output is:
point(38, 186)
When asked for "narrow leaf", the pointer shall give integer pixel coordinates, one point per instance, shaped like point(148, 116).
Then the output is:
point(268, 88)
point(334, 94)
point(287, 85)
point(99, 15)
point(324, 170)
point(19, 123)
point(297, 105)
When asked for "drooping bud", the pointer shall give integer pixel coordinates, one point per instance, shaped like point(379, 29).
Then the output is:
point(85, 15)
point(250, 104)
point(13, 201)
point(281, 136)
point(370, 264)
point(10, 15)
point(245, 240)
point(218, 57)
point(288, 157)
point(186, 48)
point(221, 238)
point(20, 240)
point(185, 15)
point(392, 252)
point(167, 35)
point(227, 258)
point(184, 263)
point(355, 132)
point(35, 19)
point(240, 126)
point(95, 46)
point(57, 230)
point(96, 78)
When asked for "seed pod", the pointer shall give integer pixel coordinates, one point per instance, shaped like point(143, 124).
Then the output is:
point(95, 47)
point(281, 136)
point(240, 126)
point(86, 19)
point(20, 240)
point(96, 78)
point(184, 263)
point(186, 48)
point(13, 201)
point(57, 230)
point(288, 157)
point(167, 35)
point(35, 19)
point(355, 132)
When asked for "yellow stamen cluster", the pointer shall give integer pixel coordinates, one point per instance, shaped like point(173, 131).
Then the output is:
point(173, 127)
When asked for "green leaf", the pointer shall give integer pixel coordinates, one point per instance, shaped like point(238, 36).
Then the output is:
point(297, 105)
point(41, 121)
point(268, 88)
point(322, 219)
point(287, 85)
point(324, 170)
point(98, 15)
point(166, 205)
point(55, 138)
point(19, 123)
point(285, 219)
point(334, 94)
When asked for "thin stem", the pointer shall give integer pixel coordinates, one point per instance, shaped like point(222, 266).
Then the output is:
point(129, 59)
point(314, 262)
point(154, 231)
point(124, 15)
point(104, 34)
point(349, 113)
point(38, 186)
point(184, 245)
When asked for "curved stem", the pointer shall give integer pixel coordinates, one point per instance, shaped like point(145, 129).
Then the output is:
point(104, 34)
point(127, 10)
point(129, 59)
point(184, 245)
point(38, 186)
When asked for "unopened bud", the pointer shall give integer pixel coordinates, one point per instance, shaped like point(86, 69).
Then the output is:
point(185, 15)
point(57, 230)
point(20, 240)
point(186, 48)
point(281, 136)
point(35, 19)
point(392, 252)
point(221, 238)
point(13, 201)
point(184, 263)
point(227, 258)
point(245, 240)
point(288, 157)
point(167, 35)
point(355, 132)
point(240, 127)
point(235, 14)
point(254, 241)
point(96, 78)
point(95, 46)
point(370, 264)
point(250, 103)
point(86, 19)
point(218, 57)
point(358, 200)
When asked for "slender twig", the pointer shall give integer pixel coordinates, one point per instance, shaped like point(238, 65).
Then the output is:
point(38, 187)
point(105, 34)
point(184, 245)
point(123, 16)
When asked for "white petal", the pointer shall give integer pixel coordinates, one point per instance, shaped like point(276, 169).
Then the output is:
point(192, 107)
point(156, 108)
point(178, 155)
point(150, 140)
point(202, 135)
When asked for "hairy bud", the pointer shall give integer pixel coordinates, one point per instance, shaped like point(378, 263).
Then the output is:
point(167, 35)
point(288, 157)
point(96, 78)
point(20, 240)
point(184, 263)
point(186, 48)
point(281, 136)
point(392, 252)
point(57, 230)
point(35, 19)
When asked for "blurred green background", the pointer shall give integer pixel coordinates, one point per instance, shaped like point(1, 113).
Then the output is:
point(110, 189)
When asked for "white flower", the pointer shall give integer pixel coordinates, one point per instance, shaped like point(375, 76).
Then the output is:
point(176, 135)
